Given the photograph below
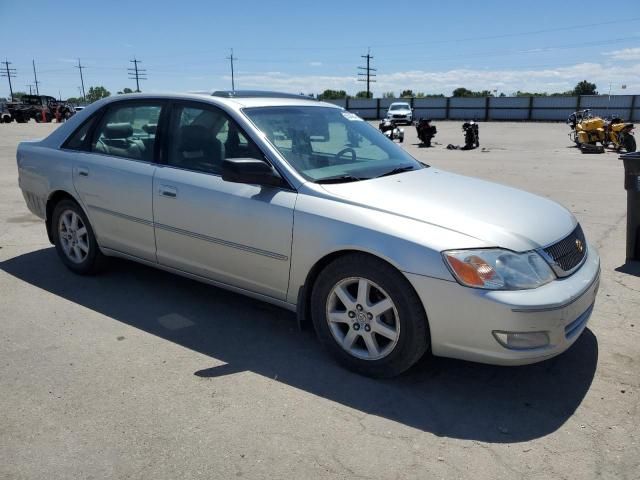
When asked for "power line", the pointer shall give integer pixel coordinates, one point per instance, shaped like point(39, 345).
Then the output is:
point(231, 59)
point(9, 73)
point(368, 74)
point(80, 67)
point(137, 73)
point(35, 77)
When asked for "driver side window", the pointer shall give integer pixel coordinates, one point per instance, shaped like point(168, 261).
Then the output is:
point(201, 139)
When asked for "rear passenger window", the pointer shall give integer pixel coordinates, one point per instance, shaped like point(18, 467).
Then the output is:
point(128, 131)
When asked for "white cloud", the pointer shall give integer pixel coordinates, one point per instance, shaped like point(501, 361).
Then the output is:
point(624, 54)
point(315, 64)
point(505, 80)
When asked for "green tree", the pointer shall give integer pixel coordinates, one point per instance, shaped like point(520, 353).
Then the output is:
point(125, 90)
point(585, 88)
point(464, 92)
point(96, 93)
point(530, 94)
point(332, 95)
point(388, 95)
point(18, 95)
point(407, 94)
point(74, 100)
point(362, 94)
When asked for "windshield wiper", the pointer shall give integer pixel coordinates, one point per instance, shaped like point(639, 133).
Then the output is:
point(339, 179)
point(397, 170)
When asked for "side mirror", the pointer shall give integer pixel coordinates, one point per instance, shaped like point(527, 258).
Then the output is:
point(250, 170)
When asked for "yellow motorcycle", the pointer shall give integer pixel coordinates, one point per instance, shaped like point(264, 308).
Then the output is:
point(587, 130)
point(619, 134)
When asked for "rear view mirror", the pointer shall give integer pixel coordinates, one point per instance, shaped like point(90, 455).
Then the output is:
point(250, 170)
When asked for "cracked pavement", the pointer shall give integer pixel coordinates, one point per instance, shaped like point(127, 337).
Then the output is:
point(137, 373)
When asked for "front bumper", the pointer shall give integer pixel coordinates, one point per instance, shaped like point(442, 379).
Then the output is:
point(403, 118)
point(462, 319)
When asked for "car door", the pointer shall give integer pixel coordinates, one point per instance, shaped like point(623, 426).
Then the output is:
point(237, 234)
point(114, 176)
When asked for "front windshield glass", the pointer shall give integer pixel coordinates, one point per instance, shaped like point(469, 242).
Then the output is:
point(324, 143)
point(401, 106)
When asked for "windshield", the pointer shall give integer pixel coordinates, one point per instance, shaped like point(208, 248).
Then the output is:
point(401, 106)
point(324, 143)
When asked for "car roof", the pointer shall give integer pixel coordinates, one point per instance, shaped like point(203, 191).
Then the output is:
point(236, 102)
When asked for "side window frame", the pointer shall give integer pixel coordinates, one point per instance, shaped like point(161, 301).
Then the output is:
point(86, 143)
point(157, 144)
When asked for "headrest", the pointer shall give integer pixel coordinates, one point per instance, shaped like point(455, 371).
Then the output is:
point(194, 137)
point(150, 128)
point(118, 130)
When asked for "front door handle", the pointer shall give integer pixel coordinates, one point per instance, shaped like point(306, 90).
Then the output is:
point(168, 191)
point(83, 171)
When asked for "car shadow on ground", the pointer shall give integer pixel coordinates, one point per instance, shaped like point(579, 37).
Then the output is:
point(448, 398)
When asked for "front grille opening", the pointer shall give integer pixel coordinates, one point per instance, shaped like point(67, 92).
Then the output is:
point(570, 251)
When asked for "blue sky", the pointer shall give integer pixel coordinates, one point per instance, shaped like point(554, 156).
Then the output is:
point(299, 46)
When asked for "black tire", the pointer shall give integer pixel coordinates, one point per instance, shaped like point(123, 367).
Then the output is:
point(413, 339)
point(94, 259)
point(629, 142)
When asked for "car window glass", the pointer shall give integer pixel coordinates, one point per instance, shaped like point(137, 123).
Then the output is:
point(321, 142)
point(201, 138)
point(128, 131)
point(77, 140)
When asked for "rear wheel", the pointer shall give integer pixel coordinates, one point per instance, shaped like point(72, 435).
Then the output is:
point(629, 142)
point(368, 316)
point(74, 239)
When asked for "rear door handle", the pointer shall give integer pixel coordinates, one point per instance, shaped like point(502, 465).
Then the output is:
point(168, 191)
point(83, 171)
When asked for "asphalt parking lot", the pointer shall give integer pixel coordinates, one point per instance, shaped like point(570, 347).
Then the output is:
point(137, 373)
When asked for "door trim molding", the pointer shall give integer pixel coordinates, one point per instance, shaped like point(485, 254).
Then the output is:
point(187, 233)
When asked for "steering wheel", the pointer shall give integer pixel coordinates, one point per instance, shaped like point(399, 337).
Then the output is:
point(347, 150)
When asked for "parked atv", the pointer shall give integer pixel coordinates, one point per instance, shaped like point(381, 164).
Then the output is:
point(391, 131)
point(425, 131)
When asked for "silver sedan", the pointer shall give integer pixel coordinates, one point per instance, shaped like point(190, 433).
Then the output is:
point(304, 205)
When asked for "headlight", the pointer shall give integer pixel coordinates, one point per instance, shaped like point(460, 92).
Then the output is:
point(498, 269)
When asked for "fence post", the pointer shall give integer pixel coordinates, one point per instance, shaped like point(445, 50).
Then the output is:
point(446, 113)
point(377, 109)
point(487, 101)
point(530, 108)
point(346, 103)
point(578, 102)
point(632, 108)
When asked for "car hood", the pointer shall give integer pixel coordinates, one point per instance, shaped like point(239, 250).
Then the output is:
point(400, 112)
point(495, 214)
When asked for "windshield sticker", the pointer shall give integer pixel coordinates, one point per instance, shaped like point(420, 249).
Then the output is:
point(352, 116)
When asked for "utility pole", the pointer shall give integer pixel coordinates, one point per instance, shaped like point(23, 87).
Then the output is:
point(137, 73)
point(35, 77)
point(80, 67)
point(368, 74)
point(231, 58)
point(9, 73)
point(29, 85)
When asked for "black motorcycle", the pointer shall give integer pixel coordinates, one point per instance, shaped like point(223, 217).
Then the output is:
point(425, 131)
point(471, 135)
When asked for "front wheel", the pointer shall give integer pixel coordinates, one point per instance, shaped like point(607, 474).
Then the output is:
point(629, 142)
point(74, 239)
point(368, 316)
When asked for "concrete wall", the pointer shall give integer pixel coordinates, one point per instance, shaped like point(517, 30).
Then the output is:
point(499, 108)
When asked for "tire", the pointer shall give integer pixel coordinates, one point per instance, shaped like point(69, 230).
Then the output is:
point(399, 332)
point(74, 239)
point(629, 142)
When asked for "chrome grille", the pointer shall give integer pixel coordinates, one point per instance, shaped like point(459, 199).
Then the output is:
point(568, 253)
